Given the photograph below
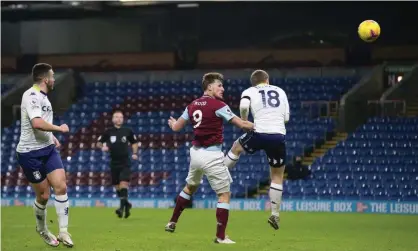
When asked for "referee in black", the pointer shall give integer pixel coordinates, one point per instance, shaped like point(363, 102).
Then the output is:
point(116, 140)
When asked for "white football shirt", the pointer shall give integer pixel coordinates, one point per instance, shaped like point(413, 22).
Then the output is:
point(34, 104)
point(269, 107)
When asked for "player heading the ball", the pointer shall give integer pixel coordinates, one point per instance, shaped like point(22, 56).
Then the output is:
point(206, 114)
point(270, 110)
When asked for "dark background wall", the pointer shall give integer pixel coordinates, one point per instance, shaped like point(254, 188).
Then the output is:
point(211, 26)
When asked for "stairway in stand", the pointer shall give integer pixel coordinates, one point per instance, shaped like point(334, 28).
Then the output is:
point(329, 144)
point(412, 109)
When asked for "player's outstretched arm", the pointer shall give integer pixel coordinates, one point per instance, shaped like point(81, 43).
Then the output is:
point(177, 125)
point(40, 124)
point(226, 113)
point(245, 125)
point(34, 112)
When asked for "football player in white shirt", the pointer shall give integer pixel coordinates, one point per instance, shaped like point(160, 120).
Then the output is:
point(270, 110)
point(38, 157)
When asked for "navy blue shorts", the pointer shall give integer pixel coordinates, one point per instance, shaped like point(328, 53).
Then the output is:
point(38, 163)
point(274, 146)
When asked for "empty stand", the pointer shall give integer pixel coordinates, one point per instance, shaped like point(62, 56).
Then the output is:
point(163, 163)
point(378, 161)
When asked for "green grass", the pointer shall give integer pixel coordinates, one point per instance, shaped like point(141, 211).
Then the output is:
point(96, 229)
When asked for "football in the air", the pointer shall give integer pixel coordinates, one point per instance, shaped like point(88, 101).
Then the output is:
point(369, 30)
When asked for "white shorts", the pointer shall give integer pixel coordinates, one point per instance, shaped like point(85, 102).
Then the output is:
point(211, 164)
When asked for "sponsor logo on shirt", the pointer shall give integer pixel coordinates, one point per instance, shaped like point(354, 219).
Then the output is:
point(46, 108)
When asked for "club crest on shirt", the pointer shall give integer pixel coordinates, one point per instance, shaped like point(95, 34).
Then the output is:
point(112, 139)
point(34, 101)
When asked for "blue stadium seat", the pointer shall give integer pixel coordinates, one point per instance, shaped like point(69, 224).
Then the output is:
point(149, 106)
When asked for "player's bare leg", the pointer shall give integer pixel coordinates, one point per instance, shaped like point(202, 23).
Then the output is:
point(125, 206)
point(222, 215)
point(232, 157)
point(183, 200)
point(275, 194)
point(57, 180)
point(42, 191)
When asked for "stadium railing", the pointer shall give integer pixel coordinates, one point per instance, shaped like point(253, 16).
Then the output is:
point(321, 108)
point(386, 108)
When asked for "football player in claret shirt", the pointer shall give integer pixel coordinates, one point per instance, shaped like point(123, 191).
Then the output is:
point(206, 115)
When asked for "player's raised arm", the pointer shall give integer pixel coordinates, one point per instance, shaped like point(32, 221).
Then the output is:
point(179, 124)
point(33, 108)
point(244, 105)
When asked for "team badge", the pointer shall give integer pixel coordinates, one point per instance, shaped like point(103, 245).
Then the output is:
point(37, 175)
point(113, 139)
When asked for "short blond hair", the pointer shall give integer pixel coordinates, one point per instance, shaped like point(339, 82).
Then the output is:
point(259, 76)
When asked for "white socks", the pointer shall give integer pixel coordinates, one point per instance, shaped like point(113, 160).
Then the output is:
point(230, 159)
point(40, 214)
point(62, 206)
point(275, 193)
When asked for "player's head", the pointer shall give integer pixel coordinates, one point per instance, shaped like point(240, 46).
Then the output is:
point(43, 74)
point(212, 84)
point(259, 77)
point(117, 118)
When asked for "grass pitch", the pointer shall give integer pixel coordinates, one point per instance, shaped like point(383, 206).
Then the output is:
point(95, 229)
